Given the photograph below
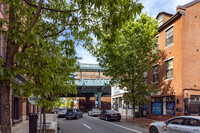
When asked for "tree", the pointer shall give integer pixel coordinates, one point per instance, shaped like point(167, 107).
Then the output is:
point(33, 24)
point(129, 57)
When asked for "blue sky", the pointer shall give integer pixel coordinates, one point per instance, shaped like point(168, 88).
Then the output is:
point(152, 7)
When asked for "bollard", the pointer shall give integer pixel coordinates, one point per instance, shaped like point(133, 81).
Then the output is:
point(160, 118)
point(33, 122)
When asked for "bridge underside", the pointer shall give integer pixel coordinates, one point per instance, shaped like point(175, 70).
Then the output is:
point(90, 91)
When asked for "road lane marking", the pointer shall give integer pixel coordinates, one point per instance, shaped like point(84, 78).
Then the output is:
point(87, 126)
point(117, 125)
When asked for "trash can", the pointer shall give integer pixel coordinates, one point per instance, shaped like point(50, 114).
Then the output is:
point(33, 122)
point(136, 115)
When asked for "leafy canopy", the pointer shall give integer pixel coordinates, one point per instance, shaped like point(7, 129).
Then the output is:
point(131, 54)
point(42, 35)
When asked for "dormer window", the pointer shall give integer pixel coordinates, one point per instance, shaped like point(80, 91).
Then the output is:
point(160, 20)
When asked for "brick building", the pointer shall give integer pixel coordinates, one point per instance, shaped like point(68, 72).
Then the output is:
point(19, 107)
point(176, 73)
point(95, 75)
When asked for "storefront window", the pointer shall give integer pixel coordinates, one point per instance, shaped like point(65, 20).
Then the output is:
point(163, 105)
point(156, 108)
point(120, 102)
point(130, 106)
point(169, 105)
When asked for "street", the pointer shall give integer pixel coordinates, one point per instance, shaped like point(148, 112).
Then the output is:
point(89, 124)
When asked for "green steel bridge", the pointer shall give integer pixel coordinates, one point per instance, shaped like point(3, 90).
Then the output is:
point(92, 87)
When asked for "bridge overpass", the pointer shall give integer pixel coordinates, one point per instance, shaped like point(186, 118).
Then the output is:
point(91, 82)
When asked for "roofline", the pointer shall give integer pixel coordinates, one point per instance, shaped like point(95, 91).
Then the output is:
point(177, 15)
point(168, 14)
point(183, 7)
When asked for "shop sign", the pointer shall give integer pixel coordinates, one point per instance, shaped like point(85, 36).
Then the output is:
point(171, 108)
point(33, 100)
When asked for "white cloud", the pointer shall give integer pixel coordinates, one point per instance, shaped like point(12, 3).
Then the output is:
point(85, 55)
point(153, 7)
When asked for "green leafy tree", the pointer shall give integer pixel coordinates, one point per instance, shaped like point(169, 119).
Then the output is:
point(127, 58)
point(32, 28)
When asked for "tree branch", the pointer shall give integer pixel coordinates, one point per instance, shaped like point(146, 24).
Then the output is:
point(55, 33)
point(39, 8)
point(50, 9)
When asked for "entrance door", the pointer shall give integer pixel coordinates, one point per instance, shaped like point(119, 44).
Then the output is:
point(144, 111)
point(27, 109)
point(16, 108)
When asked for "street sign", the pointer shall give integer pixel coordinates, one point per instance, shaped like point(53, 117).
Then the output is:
point(33, 100)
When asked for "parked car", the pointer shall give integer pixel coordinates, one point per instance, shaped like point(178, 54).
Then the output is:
point(55, 110)
point(62, 112)
point(74, 113)
point(110, 115)
point(94, 112)
point(180, 124)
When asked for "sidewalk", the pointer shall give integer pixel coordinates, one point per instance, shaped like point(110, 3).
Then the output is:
point(139, 121)
point(23, 127)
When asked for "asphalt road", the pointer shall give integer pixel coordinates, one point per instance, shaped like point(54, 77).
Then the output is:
point(89, 124)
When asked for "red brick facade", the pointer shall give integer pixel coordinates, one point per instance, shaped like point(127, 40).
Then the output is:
point(185, 53)
point(21, 112)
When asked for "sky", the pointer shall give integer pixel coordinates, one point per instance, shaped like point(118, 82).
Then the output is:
point(152, 8)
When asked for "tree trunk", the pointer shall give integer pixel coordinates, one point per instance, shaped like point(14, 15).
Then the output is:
point(44, 120)
point(5, 106)
point(134, 112)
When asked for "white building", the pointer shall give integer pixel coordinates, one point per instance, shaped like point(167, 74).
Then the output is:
point(117, 102)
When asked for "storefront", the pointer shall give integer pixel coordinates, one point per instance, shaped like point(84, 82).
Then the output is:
point(163, 106)
point(15, 108)
point(118, 104)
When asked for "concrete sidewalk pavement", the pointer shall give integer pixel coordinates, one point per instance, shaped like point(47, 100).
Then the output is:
point(23, 127)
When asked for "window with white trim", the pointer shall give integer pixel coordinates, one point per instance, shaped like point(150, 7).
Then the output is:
point(155, 73)
point(169, 37)
point(160, 21)
point(169, 69)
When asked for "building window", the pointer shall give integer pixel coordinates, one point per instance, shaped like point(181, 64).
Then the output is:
point(169, 69)
point(169, 105)
point(3, 53)
point(169, 37)
point(195, 98)
point(155, 73)
point(160, 21)
point(120, 102)
point(145, 77)
point(4, 8)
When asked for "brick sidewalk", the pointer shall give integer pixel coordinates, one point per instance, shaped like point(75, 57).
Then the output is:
point(139, 121)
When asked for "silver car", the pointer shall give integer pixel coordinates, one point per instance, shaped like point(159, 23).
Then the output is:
point(94, 112)
point(62, 112)
point(180, 124)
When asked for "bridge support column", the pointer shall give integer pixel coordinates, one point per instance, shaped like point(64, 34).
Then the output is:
point(99, 99)
point(87, 103)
